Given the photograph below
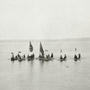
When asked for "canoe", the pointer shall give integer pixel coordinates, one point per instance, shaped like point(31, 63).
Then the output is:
point(46, 59)
point(29, 58)
point(62, 59)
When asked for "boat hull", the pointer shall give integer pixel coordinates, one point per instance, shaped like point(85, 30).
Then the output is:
point(46, 59)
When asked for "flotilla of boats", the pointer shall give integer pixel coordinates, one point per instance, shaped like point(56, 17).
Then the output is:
point(41, 56)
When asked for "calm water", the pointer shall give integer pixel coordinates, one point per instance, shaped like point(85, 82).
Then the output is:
point(38, 75)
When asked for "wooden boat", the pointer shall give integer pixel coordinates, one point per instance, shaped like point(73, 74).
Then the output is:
point(19, 59)
point(30, 57)
point(22, 59)
point(42, 55)
point(46, 59)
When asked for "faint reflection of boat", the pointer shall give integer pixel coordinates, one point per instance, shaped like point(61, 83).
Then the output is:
point(42, 56)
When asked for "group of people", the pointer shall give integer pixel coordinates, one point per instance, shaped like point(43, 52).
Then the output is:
point(21, 57)
point(76, 56)
point(63, 57)
point(49, 56)
point(46, 56)
point(30, 57)
point(18, 56)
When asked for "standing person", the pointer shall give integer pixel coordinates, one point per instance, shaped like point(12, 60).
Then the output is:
point(12, 58)
point(19, 56)
point(79, 56)
point(75, 49)
point(65, 56)
point(61, 51)
point(51, 55)
point(61, 54)
point(75, 57)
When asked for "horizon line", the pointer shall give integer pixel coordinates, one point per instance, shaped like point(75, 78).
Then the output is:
point(42, 39)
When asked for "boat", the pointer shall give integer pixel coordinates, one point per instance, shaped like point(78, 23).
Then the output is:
point(42, 55)
point(63, 58)
point(77, 57)
point(18, 57)
point(30, 57)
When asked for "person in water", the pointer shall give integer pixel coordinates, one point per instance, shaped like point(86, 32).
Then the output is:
point(12, 58)
point(65, 56)
point(75, 57)
point(75, 49)
point(51, 55)
point(19, 56)
point(24, 56)
point(79, 56)
point(61, 57)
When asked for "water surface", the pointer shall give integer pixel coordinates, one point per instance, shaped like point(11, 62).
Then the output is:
point(39, 75)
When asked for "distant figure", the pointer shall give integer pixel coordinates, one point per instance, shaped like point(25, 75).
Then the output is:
point(48, 56)
point(75, 57)
point(65, 56)
point(16, 57)
point(61, 57)
point(12, 58)
point(32, 56)
point(51, 55)
point(79, 56)
point(24, 56)
point(75, 49)
point(61, 51)
point(12, 54)
point(19, 57)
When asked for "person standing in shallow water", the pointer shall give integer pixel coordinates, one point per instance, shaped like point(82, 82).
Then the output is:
point(79, 56)
point(12, 57)
point(75, 49)
point(65, 57)
point(51, 55)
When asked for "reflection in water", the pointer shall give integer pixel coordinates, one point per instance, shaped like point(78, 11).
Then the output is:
point(31, 63)
point(42, 75)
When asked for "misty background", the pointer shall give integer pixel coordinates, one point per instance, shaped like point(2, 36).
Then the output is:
point(44, 19)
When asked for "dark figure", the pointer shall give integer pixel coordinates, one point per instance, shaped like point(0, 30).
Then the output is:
point(16, 57)
point(33, 55)
point(19, 57)
point(12, 58)
point(75, 57)
point(48, 56)
point(79, 56)
point(65, 56)
point(75, 49)
point(51, 55)
point(61, 57)
point(24, 56)
point(61, 51)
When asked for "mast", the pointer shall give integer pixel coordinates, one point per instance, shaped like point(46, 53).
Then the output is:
point(30, 47)
point(41, 49)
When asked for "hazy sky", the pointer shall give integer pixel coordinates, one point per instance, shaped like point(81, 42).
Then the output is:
point(44, 19)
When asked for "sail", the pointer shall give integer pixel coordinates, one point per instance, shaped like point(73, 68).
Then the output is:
point(31, 47)
point(41, 49)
